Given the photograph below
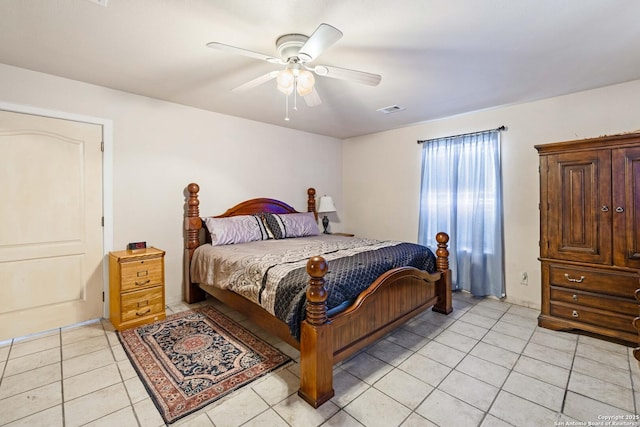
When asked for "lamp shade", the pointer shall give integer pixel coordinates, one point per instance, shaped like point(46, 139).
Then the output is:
point(326, 204)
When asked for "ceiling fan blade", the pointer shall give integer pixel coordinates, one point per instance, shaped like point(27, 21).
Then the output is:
point(256, 82)
point(322, 38)
point(239, 51)
point(313, 99)
point(346, 74)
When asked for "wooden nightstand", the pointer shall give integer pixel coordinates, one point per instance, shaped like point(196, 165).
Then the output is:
point(136, 287)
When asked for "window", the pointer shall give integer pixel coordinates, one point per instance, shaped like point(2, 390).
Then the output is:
point(461, 194)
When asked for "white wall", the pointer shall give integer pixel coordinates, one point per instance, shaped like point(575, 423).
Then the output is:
point(160, 147)
point(382, 171)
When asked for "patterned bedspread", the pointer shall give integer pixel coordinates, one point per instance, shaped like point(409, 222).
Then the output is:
point(272, 273)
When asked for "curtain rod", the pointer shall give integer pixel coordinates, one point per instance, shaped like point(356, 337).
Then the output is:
point(499, 128)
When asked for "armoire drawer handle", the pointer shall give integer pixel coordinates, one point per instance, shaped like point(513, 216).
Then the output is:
point(571, 279)
point(604, 208)
point(143, 283)
point(637, 294)
point(619, 209)
point(575, 313)
point(574, 297)
point(148, 310)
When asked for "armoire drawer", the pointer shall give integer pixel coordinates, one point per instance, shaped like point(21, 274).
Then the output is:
point(593, 316)
point(591, 280)
point(588, 299)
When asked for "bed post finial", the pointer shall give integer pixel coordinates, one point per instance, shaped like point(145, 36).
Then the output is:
point(192, 225)
point(442, 262)
point(316, 292)
point(311, 201)
point(316, 339)
point(443, 285)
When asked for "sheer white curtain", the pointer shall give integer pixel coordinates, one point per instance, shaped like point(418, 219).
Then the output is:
point(461, 194)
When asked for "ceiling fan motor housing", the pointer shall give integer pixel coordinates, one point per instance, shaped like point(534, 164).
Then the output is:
point(289, 45)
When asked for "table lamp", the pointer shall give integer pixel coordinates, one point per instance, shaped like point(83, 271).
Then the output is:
point(326, 206)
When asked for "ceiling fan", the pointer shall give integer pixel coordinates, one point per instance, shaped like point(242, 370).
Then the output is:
point(296, 52)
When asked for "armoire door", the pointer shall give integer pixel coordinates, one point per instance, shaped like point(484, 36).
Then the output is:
point(51, 250)
point(626, 207)
point(579, 206)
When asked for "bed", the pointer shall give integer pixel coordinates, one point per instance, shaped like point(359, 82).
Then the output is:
point(323, 334)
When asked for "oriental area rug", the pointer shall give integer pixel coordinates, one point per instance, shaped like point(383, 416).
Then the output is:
point(194, 358)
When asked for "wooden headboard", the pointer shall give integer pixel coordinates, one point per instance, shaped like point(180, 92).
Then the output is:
point(193, 224)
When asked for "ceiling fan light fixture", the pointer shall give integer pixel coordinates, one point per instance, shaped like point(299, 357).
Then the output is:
point(285, 81)
point(305, 82)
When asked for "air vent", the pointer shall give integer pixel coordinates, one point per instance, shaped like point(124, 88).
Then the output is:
point(391, 109)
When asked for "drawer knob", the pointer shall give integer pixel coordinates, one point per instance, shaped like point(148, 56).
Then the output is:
point(619, 209)
point(572, 279)
point(604, 208)
point(142, 313)
point(636, 323)
point(574, 297)
point(575, 313)
point(143, 283)
point(637, 294)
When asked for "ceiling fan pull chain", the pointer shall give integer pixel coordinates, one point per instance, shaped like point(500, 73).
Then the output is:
point(286, 103)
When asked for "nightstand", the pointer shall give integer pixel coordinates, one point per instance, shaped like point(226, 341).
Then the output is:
point(136, 287)
point(343, 234)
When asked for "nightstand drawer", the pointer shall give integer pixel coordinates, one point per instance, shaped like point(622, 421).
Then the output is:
point(593, 316)
point(140, 274)
point(585, 279)
point(142, 303)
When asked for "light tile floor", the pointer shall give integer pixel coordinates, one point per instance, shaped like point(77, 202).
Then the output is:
point(486, 364)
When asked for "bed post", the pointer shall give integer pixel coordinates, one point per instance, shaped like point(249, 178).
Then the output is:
point(192, 225)
point(316, 340)
point(443, 285)
point(311, 202)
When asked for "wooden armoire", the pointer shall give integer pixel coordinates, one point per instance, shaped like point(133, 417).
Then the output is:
point(590, 235)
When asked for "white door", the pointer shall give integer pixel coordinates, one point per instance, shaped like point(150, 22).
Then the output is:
point(50, 223)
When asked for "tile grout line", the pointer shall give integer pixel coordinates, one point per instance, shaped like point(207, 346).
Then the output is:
point(493, 401)
point(122, 380)
point(413, 411)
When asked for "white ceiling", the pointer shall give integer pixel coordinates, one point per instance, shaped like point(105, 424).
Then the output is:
point(437, 58)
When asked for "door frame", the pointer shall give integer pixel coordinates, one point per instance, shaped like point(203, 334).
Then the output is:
point(107, 179)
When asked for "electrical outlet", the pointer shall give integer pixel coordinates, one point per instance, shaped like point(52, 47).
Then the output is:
point(524, 278)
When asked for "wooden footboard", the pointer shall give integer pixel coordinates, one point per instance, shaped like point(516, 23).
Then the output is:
point(395, 297)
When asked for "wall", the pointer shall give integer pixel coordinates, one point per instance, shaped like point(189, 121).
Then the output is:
point(382, 170)
point(160, 147)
